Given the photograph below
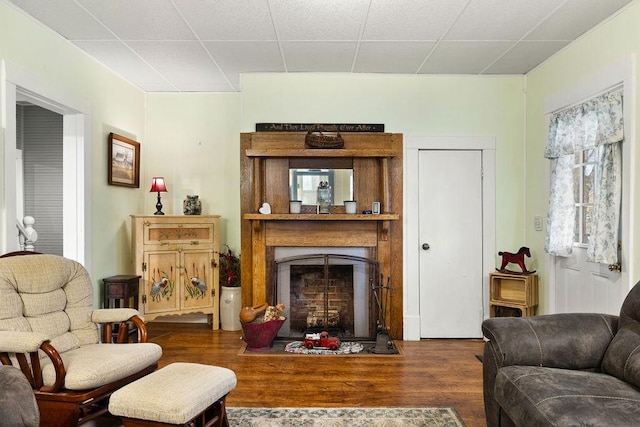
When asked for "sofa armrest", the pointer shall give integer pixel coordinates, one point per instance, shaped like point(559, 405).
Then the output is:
point(568, 340)
point(21, 342)
point(113, 315)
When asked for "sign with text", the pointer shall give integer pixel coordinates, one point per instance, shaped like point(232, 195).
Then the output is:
point(321, 127)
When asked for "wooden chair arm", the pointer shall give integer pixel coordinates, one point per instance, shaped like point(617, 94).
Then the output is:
point(33, 371)
point(58, 365)
point(122, 331)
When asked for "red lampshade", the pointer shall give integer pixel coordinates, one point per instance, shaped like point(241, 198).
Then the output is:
point(158, 185)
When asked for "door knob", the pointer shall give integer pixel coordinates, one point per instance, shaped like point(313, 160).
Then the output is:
point(425, 246)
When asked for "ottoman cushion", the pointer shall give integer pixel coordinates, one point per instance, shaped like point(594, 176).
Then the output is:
point(174, 394)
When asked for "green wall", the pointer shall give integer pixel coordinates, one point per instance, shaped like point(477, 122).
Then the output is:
point(412, 105)
point(48, 61)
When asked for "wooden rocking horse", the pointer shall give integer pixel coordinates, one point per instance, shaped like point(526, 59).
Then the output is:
point(515, 258)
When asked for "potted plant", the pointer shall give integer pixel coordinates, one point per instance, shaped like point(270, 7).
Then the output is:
point(230, 291)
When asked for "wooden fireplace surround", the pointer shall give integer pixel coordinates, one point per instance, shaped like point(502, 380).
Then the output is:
point(376, 160)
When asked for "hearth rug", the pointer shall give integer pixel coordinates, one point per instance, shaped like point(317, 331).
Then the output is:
point(346, 347)
point(339, 417)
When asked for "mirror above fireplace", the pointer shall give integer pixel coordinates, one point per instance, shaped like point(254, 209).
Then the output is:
point(303, 184)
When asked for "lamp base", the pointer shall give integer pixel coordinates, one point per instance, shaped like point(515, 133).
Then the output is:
point(159, 206)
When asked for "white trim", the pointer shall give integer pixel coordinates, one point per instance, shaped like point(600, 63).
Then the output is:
point(620, 73)
point(19, 84)
point(411, 289)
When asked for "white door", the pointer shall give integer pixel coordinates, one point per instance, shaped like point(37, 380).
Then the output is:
point(586, 287)
point(450, 228)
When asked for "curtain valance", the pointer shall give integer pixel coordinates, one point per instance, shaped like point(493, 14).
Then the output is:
point(592, 123)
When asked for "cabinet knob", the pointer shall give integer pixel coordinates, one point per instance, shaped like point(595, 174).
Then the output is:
point(425, 246)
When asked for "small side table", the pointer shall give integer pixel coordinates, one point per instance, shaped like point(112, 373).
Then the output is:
point(121, 291)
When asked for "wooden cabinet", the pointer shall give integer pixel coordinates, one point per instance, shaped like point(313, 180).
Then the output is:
point(516, 291)
point(177, 257)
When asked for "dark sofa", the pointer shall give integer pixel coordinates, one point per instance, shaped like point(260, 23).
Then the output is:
point(575, 369)
point(18, 407)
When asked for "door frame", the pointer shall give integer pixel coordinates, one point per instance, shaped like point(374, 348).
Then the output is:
point(17, 84)
point(620, 73)
point(411, 288)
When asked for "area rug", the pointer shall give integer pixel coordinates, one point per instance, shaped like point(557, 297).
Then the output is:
point(338, 417)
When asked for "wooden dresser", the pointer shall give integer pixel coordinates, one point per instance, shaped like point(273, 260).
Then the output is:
point(177, 257)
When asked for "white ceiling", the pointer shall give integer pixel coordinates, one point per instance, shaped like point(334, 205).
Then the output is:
point(204, 45)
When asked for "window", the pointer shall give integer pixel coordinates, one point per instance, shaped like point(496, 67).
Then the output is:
point(583, 187)
point(586, 173)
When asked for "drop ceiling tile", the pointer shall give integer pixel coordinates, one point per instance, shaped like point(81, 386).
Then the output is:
point(183, 63)
point(228, 19)
point(235, 57)
point(119, 58)
point(319, 56)
point(463, 57)
point(574, 18)
point(57, 16)
point(411, 19)
point(140, 19)
point(525, 56)
point(397, 57)
point(318, 19)
point(499, 19)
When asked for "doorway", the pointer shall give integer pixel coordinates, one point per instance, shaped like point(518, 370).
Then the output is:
point(19, 87)
point(413, 310)
point(450, 229)
point(39, 171)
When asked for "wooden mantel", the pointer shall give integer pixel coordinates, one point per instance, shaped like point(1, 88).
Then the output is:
point(265, 159)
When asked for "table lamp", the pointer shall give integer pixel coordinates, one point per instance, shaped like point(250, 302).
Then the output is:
point(157, 184)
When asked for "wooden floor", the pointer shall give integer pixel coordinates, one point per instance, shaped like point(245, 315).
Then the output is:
point(434, 373)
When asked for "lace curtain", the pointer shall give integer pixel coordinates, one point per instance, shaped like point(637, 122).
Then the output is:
point(596, 123)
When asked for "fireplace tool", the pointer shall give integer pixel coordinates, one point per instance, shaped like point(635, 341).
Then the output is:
point(382, 294)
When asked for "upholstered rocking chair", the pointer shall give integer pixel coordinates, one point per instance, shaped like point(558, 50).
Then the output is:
point(49, 329)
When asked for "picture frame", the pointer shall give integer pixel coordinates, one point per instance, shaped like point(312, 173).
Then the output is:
point(123, 161)
point(375, 208)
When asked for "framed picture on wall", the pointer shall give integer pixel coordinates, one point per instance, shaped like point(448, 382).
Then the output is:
point(124, 161)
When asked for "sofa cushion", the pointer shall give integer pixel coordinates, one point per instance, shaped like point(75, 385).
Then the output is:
point(537, 396)
point(622, 358)
point(18, 405)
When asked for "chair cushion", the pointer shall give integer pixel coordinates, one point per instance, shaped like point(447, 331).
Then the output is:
point(95, 365)
point(538, 396)
point(622, 358)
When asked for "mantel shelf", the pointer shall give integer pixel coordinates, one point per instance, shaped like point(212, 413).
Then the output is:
point(321, 217)
point(306, 152)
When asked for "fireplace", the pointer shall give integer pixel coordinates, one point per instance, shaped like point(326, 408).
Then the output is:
point(326, 291)
point(266, 159)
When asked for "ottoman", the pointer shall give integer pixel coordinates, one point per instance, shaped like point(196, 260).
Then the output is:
point(180, 394)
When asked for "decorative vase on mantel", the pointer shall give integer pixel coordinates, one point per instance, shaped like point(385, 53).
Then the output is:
point(324, 197)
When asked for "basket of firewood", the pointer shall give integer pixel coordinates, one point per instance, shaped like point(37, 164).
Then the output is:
point(317, 139)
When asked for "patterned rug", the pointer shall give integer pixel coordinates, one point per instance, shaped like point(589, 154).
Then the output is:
point(339, 417)
point(347, 347)
point(294, 348)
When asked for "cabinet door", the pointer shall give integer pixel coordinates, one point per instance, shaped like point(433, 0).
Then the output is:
point(198, 279)
point(161, 281)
